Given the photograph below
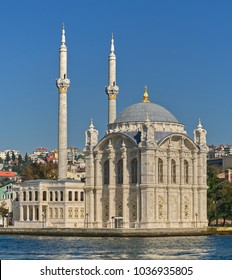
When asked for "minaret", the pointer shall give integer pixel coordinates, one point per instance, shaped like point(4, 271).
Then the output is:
point(112, 89)
point(62, 83)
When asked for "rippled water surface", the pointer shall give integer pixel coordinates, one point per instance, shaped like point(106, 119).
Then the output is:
point(32, 248)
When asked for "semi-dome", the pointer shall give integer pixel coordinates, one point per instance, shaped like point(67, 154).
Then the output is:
point(140, 111)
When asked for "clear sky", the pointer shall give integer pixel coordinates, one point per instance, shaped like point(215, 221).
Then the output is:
point(182, 50)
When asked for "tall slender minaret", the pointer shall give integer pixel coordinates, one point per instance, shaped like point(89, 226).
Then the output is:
point(112, 89)
point(62, 83)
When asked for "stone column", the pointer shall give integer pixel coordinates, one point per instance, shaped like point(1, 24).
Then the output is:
point(33, 213)
point(111, 187)
point(195, 169)
point(125, 188)
point(28, 213)
point(98, 191)
point(21, 216)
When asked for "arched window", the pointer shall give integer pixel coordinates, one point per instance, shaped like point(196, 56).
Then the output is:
point(186, 172)
point(160, 171)
point(30, 196)
point(76, 196)
point(173, 171)
point(56, 196)
point(61, 196)
point(120, 172)
point(134, 171)
point(82, 196)
point(106, 173)
point(51, 196)
point(36, 195)
point(44, 196)
point(69, 196)
point(17, 196)
point(24, 196)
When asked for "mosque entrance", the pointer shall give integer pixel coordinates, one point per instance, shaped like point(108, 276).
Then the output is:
point(118, 222)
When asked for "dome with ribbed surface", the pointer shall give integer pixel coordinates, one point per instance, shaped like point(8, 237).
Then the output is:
point(139, 112)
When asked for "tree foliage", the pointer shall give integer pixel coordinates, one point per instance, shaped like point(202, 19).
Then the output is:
point(33, 171)
point(3, 209)
point(219, 198)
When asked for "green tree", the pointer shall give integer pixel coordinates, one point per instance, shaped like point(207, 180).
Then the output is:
point(13, 157)
point(33, 171)
point(212, 182)
point(8, 158)
point(20, 159)
point(26, 159)
point(3, 209)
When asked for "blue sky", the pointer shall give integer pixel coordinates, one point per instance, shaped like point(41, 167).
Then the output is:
point(182, 50)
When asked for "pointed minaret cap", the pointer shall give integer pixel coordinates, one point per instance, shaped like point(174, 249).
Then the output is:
point(199, 124)
point(91, 124)
point(112, 44)
point(145, 95)
point(63, 35)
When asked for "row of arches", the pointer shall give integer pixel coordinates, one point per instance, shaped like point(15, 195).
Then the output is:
point(133, 173)
point(119, 172)
point(173, 171)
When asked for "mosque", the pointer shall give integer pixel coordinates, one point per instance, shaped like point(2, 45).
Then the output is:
point(146, 172)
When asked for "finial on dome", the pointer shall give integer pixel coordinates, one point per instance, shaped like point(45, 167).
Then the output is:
point(145, 95)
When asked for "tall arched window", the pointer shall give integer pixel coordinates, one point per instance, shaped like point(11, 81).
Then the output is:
point(120, 172)
point(186, 172)
point(44, 195)
point(51, 196)
point(173, 171)
point(61, 196)
point(76, 196)
point(70, 196)
point(36, 195)
point(24, 196)
point(56, 195)
point(106, 173)
point(134, 171)
point(160, 171)
point(30, 195)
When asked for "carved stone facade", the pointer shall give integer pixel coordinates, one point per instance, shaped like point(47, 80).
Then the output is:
point(146, 178)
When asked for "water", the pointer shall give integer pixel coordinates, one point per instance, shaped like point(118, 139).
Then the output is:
point(58, 248)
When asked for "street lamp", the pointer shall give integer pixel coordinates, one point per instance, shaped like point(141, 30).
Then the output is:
point(87, 214)
point(43, 216)
point(196, 219)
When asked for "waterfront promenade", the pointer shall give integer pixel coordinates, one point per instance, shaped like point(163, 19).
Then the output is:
point(88, 232)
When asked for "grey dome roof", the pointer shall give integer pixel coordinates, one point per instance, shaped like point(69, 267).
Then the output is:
point(139, 111)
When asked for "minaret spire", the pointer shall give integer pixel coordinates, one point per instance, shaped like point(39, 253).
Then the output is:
point(112, 43)
point(112, 88)
point(62, 84)
point(63, 35)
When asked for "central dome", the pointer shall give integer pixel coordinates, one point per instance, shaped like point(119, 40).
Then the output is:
point(139, 112)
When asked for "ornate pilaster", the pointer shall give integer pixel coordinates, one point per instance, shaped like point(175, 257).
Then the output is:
point(125, 187)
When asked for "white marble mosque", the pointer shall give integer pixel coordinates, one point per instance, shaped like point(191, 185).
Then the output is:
point(146, 172)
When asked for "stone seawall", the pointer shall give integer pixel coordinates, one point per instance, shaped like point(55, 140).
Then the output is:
point(87, 232)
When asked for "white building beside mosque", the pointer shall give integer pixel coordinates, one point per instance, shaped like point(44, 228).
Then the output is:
point(146, 172)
